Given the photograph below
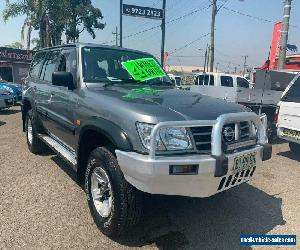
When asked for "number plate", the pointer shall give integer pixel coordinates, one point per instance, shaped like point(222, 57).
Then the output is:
point(291, 133)
point(244, 162)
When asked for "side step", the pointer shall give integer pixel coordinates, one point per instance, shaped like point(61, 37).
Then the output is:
point(65, 153)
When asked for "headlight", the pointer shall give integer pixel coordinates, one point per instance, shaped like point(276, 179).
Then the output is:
point(166, 139)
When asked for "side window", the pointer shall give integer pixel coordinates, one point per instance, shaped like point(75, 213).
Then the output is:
point(242, 83)
point(202, 80)
point(211, 80)
point(226, 81)
point(36, 64)
point(293, 94)
point(50, 66)
point(68, 62)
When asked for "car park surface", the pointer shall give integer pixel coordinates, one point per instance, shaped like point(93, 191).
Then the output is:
point(42, 207)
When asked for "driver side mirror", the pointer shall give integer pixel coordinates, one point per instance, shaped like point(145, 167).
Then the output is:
point(64, 79)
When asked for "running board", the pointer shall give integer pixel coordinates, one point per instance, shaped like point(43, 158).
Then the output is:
point(60, 149)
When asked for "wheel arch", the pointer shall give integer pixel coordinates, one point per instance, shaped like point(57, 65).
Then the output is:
point(99, 134)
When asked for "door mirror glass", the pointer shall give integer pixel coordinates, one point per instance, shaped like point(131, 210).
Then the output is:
point(64, 79)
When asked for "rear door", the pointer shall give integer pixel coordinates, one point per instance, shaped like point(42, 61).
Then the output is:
point(289, 114)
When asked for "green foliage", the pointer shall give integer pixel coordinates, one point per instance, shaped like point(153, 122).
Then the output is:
point(54, 17)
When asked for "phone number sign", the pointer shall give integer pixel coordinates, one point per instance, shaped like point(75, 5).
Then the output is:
point(140, 11)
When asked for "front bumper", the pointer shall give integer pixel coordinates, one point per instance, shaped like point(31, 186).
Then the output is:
point(6, 102)
point(151, 173)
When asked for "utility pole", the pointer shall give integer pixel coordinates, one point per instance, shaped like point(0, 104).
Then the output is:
point(163, 34)
point(117, 34)
point(245, 64)
point(284, 33)
point(212, 35)
point(205, 59)
point(121, 23)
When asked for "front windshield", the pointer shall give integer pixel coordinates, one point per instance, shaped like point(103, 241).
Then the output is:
point(101, 65)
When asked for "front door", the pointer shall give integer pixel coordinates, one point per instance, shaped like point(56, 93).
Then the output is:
point(63, 102)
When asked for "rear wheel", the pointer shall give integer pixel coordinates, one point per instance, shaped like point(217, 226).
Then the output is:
point(114, 204)
point(295, 147)
point(35, 145)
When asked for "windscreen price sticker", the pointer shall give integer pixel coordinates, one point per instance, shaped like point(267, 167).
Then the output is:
point(144, 69)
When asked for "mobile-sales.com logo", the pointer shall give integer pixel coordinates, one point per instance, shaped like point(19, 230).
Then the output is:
point(283, 240)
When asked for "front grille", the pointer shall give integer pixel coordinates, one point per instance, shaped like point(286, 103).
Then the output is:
point(237, 135)
point(236, 179)
point(234, 136)
point(202, 138)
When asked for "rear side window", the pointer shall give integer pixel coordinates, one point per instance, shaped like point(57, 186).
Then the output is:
point(202, 80)
point(226, 81)
point(212, 80)
point(242, 83)
point(36, 64)
point(293, 94)
point(50, 65)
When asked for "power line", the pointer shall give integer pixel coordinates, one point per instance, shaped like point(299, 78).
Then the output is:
point(188, 44)
point(168, 22)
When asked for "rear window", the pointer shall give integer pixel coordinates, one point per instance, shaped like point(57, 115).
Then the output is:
point(226, 81)
point(36, 64)
point(293, 94)
point(242, 83)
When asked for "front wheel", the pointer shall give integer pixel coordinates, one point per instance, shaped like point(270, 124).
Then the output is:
point(35, 145)
point(295, 147)
point(114, 204)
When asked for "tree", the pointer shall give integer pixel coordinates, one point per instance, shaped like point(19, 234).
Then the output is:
point(15, 45)
point(54, 17)
point(83, 16)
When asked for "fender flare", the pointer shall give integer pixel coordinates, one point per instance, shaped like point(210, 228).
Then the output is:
point(107, 128)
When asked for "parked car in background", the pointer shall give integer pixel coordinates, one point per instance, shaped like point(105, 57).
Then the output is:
point(288, 125)
point(6, 99)
point(177, 80)
point(15, 89)
point(220, 79)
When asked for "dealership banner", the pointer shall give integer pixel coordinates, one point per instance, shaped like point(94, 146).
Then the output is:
point(275, 47)
point(15, 55)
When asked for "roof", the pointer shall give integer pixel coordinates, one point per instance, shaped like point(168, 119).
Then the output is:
point(80, 45)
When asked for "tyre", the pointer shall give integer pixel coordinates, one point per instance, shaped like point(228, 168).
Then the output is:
point(295, 147)
point(115, 205)
point(35, 145)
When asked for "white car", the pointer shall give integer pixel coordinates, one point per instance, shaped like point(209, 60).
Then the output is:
point(221, 79)
point(176, 79)
point(288, 124)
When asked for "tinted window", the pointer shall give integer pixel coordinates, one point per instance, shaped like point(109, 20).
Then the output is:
point(202, 80)
point(50, 66)
point(36, 64)
point(212, 80)
point(293, 94)
point(226, 81)
point(242, 83)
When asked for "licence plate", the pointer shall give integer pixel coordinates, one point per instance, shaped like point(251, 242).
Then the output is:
point(291, 133)
point(244, 162)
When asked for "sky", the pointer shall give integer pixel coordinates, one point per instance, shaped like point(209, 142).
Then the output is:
point(242, 28)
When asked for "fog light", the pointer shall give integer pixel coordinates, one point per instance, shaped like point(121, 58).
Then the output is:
point(183, 169)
